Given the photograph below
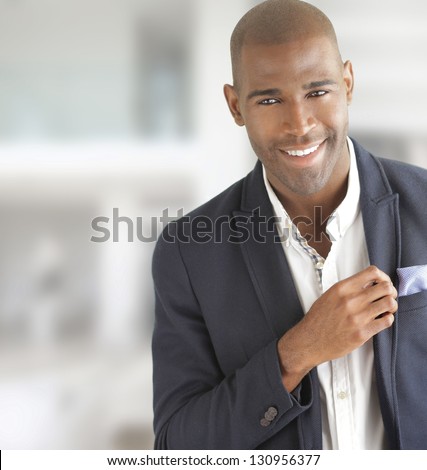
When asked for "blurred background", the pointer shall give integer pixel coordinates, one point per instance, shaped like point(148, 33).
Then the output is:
point(114, 108)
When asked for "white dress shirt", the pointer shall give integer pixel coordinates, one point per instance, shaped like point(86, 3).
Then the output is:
point(351, 417)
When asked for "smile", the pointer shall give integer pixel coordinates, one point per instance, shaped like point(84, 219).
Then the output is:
point(302, 153)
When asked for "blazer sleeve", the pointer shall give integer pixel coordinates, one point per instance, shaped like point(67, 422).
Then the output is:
point(195, 405)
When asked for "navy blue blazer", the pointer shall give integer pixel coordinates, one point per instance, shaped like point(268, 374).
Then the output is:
point(225, 295)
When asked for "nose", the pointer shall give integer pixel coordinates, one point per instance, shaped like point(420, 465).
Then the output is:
point(298, 120)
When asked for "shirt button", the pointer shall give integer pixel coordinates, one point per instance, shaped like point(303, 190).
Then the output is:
point(319, 265)
point(265, 423)
point(342, 395)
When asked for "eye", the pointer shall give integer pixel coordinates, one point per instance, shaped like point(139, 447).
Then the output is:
point(269, 101)
point(318, 93)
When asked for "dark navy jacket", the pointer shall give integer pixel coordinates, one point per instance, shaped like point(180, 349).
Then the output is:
point(225, 295)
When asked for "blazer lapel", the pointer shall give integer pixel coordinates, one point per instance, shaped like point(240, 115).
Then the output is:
point(264, 257)
point(380, 212)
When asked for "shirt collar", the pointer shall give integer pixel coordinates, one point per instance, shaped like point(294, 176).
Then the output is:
point(343, 216)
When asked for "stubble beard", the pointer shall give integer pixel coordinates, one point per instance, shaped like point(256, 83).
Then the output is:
point(308, 181)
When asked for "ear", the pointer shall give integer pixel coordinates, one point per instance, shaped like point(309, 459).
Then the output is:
point(233, 104)
point(349, 80)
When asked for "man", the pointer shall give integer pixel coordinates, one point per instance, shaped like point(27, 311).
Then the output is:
point(287, 334)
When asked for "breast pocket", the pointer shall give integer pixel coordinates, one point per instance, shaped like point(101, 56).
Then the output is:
point(413, 302)
point(412, 326)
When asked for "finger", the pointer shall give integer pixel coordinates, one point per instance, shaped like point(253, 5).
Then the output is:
point(380, 290)
point(372, 276)
point(386, 305)
point(368, 278)
point(380, 324)
point(361, 280)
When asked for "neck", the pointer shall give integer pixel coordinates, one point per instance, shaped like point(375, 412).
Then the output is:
point(310, 213)
point(305, 206)
point(328, 198)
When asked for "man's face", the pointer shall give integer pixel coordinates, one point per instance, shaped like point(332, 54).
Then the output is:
point(293, 100)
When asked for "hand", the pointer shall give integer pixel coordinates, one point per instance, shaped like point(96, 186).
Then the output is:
point(341, 320)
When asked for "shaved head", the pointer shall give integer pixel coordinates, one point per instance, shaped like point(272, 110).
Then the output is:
point(278, 22)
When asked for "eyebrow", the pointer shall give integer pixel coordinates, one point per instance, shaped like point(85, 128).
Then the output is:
point(277, 91)
point(311, 85)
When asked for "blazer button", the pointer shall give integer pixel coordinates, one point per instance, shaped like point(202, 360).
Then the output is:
point(265, 423)
point(271, 413)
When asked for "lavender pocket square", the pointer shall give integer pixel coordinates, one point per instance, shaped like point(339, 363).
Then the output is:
point(412, 279)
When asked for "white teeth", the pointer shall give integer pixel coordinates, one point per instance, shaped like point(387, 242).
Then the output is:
point(302, 153)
